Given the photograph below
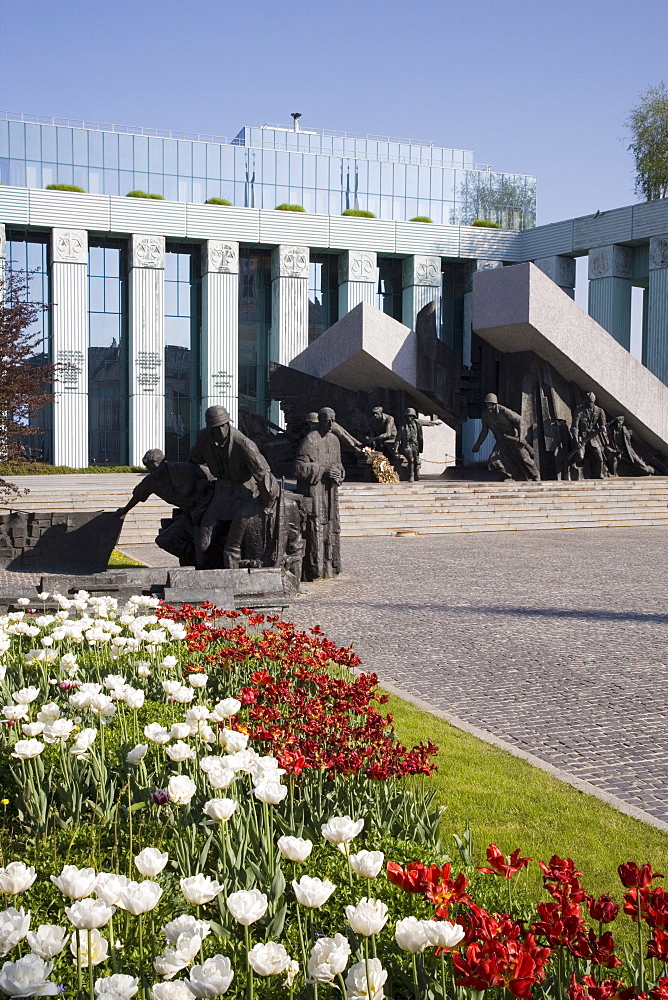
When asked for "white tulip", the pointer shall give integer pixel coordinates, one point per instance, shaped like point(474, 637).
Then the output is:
point(99, 948)
point(13, 713)
point(173, 960)
point(187, 925)
point(75, 882)
point(181, 789)
point(211, 979)
point(180, 731)
point(225, 709)
point(47, 941)
point(157, 733)
point(151, 861)
point(109, 885)
point(200, 889)
point(183, 695)
point(168, 662)
point(27, 977)
point(443, 934)
point(313, 892)
point(206, 733)
point(180, 751)
point(270, 959)
point(198, 680)
point(220, 777)
point(14, 925)
point(58, 731)
point(83, 742)
point(32, 729)
point(140, 897)
point(410, 935)
point(27, 749)
point(328, 959)
point(86, 914)
point(175, 990)
point(137, 753)
point(341, 829)
point(26, 696)
point(368, 917)
point(118, 985)
point(16, 878)
point(219, 810)
point(294, 848)
point(272, 792)
point(367, 864)
point(247, 906)
point(143, 670)
point(234, 741)
point(357, 987)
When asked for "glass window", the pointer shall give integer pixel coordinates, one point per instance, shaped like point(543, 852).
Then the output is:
point(33, 175)
point(49, 143)
point(213, 161)
point(65, 173)
point(169, 153)
point(308, 171)
point(182, 325)
point(4, 139)
point(185, 157)
point(155, 164)
point(80, 146)
point(282, 168)
point(17, 144)
point(107, 360)
point(140, 154)
point(33, 142)
point(17, 173)
point(389, 291)
point(95, 157)
point(254, 325)
point(110, 140)
point(65, 150)
point(199, 159)
point(323, 294)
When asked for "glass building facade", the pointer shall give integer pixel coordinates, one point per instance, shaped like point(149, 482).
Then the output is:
point(265, 167)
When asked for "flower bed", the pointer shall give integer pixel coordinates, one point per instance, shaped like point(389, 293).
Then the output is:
point(199, 803)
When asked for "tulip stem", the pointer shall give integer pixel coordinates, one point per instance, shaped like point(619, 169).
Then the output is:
point(366, 967)
point(141, 955)
point(91, 990)
point(416, 986)
point(249, 968)
point(443, 975)
point(641, 958)
point(350, 873)
point(301, 935)
point(112, 940)
point(79, 975)
point(129, 829)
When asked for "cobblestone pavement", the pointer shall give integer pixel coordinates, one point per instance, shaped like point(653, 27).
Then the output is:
point(554, 641)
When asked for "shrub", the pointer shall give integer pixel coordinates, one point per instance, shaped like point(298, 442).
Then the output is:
point(360, 213)
point(486, 223)
point(421, 218)
point(144, 194)
point(65, 187)
point(289, 208)
point(217, 201)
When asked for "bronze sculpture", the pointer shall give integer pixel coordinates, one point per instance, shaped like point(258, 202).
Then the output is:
point(622, 449)
point(383, 432)
point(319, 473)
point(591, 436)
point(512, 456)
point(411, 443)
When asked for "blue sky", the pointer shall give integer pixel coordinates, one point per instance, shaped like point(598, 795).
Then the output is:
point(532, 86)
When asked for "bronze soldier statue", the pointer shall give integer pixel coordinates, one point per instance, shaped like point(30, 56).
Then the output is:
point(512, 455)
point(411, 443)
point(591, 435)
point(319, 473)
point(383, 432)
point(621, 449)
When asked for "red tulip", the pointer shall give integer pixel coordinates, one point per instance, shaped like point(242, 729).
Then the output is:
point(633, 876)
point(500, 865)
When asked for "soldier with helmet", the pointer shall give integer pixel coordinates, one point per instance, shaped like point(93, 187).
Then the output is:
point(512, 455)
point(410, 443)
point(240, 472)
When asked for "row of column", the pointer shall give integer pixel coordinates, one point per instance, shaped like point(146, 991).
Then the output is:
point(220, 323)
point(611, 279)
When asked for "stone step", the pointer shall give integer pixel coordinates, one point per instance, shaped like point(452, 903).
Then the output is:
point(427, 529)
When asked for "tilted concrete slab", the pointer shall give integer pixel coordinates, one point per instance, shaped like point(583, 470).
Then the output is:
point(519, 308)
point(367, 349)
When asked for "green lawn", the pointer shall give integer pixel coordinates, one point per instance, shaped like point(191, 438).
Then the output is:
point(514, 805)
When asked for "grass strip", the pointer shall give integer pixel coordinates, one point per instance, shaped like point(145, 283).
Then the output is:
point(508, 802)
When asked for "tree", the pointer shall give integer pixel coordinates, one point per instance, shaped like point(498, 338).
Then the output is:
point(26, 376)
point(648, 123)
point(505, 199)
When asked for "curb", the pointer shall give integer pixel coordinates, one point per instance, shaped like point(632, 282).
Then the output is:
point(556, 772)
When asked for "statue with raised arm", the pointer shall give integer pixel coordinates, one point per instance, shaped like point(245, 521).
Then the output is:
point(512, 455)
point(319, 473)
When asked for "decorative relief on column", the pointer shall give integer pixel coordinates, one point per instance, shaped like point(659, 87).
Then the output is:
point(560, 269)
point(147, 251)
point(611, 262)
point(148, 365)
point(220, 258)
point(421, 271)
point(71, 365)
point(658, 252)
point(69, 246)
point(357, 265)
point(290, 262)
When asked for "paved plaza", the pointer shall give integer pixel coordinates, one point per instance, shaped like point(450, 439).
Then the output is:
point(553, 641)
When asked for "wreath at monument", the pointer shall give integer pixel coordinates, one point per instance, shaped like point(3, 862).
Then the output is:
point(383, 470)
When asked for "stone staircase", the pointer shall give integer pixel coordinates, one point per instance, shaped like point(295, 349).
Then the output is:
point(443, 507)
point(432, 506)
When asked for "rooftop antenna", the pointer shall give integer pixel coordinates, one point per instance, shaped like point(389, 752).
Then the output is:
point(296, 115)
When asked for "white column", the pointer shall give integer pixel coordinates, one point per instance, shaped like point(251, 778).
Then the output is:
point(220, 326)
point(69, 332)
point(610, 273)
point(146, 308)
point(3, 249)
point(289, 303)
point(421, 283)
point(357, 279)
point(561, 270)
